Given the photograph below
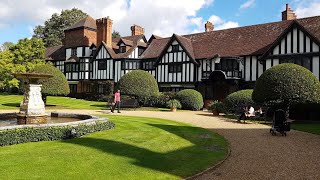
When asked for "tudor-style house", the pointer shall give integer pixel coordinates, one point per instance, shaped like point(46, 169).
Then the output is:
point(215, 62)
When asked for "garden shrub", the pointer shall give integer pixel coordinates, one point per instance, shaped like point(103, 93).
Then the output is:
point(235, 102)
point(138, 83)
point(286, 84)
point(216, 105)
point(173, 103)
point(160, 100)
point(57, 85)
point(34, 134)
point(190, 99)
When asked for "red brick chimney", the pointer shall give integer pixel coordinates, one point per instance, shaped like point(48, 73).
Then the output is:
point(137, 30)
point(104, 31)
point(208, 26)
point(288, 14)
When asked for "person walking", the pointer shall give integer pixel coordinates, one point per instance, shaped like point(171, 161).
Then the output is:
point(116, 101)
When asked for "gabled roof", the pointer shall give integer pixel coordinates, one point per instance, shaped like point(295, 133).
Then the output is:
point(125, 41)
point(155, 48)
point(87, 22)
point(152, 37)
point(55, 53)
point(133, 41)
point(241, 41)
point(109, 50)
point(294, 24)
point(186, 45)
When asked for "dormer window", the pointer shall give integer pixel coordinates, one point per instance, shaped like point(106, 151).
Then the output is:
point(74, 52)
point(175, 48)
point(140, 51)
point(93, 51)
point(122, 49)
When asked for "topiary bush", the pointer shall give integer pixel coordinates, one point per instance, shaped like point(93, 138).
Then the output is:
point(57, 85)
point(235, 102)
point(190, 99)
point(138, 83)
point(286, 84)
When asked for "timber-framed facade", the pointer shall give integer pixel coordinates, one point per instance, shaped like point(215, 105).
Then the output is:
point(214, 62)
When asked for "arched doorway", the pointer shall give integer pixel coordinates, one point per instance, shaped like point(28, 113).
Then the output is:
point(221, 86)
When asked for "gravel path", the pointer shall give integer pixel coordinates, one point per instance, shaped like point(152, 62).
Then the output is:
point(255, 154)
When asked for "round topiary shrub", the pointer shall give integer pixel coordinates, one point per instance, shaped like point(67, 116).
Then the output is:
point(286, 84)
point(190, 99)
point(57, 85)
point(138, 83)
point(235, 102)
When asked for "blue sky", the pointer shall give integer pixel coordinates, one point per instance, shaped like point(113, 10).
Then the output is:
point(161, 17)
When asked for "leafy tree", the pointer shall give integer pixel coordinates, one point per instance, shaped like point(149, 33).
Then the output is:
point(115, 34)
point(22, 57)
point(6, 46)
point(52, 31)
point(57, 85)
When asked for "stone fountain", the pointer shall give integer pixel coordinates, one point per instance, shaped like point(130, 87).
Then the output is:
point(32, 107)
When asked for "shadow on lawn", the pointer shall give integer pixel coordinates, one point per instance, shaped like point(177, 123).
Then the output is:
point(11, 104)
point(181, 162)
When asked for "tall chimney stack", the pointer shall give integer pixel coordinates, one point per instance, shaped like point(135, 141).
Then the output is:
point(288, 14)
point(208, 26)
point(104, 31)
point(137, 30)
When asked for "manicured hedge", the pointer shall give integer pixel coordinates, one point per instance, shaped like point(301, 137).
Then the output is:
point(138, 83)
point(235, 102)
point(159, 100)
point(57, 85)
point(190, 99)
point(286, 83)
point(34, 134)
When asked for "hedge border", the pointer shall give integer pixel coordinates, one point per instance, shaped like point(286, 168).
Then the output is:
point(10, 135)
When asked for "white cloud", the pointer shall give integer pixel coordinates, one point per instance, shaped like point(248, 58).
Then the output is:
point(227, 25)
point(307, 8)
point(163, 17)
point(217, 21)
point(247, 4)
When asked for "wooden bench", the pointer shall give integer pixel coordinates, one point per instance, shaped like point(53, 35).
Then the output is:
point(129, 103)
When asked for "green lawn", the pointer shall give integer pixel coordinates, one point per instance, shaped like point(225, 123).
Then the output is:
point(138, 148)
point(313, 128)
point(9, 101)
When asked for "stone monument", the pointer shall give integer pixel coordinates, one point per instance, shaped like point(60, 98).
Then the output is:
point(32, 107)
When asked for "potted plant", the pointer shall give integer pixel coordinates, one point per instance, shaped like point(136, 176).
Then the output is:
point(173, 105)
point(216, 107)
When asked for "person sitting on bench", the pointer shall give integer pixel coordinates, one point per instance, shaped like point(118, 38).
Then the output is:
point(247, 113)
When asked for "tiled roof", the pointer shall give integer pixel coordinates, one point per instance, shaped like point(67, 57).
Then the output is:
point(55, 53)
point(247, 40)
point(155, 48)
point(88, 22)
point(186, 44)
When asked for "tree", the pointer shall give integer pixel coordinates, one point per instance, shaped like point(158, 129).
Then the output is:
point(286, 84)
point(21, 57)
point(6, 46)
point(57, 85)
point(52, 31)
point(116, 34)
